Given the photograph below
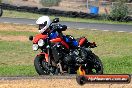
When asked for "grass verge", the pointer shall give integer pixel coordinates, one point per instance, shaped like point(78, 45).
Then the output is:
point(17, 70)
point(15, 14)
point(17, 33)
point(16, 57)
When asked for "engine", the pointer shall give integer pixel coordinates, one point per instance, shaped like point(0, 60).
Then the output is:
point(72, 57)
point(78, 56)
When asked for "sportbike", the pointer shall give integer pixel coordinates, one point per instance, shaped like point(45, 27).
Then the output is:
point(58, 56)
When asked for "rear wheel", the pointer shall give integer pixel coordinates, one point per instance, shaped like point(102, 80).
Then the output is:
point(95, 65)
point(41, 66)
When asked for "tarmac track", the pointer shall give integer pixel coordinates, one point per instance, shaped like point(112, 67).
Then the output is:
point(77, 25)
point(67, 76)
point(67, 81)
point(40, 77)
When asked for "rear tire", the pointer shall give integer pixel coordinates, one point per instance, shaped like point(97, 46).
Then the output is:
point(41, 66)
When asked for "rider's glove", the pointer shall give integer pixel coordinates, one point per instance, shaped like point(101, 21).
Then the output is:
point(93, 45)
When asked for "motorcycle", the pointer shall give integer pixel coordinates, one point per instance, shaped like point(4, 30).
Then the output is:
point(59, 57)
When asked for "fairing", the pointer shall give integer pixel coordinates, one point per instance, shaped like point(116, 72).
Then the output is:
point(39, 36)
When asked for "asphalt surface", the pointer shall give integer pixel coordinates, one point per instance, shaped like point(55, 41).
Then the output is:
point(67, 76)
point(40, 77)
point(77, 25)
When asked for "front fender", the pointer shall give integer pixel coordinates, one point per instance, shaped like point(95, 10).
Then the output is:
point(44, 55)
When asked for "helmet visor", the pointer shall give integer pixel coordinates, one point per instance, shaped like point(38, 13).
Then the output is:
point(41, 26)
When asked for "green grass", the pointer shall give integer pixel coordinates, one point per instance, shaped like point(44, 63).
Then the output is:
point(122, 64)
point(16, 59)
point(15, 14)
point(114, 49)
point(16, 53)
point(17, 70)
point(17, 33)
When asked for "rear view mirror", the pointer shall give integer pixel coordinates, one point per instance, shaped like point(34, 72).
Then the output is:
point(56, 20)
point(63, 28)
point(30, 38)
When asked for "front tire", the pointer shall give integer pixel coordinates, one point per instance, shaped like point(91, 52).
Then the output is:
point(95, 65)
point(41, 66)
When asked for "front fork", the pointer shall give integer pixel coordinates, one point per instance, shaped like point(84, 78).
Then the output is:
point(58, 65)
point(49, 59)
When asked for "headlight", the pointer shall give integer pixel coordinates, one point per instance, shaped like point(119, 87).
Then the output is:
point(41, 42)
point(35, 47)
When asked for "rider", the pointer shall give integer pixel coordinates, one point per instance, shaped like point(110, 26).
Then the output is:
point(44, 23)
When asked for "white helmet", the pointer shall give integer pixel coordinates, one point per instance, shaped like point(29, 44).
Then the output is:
point(43, 22)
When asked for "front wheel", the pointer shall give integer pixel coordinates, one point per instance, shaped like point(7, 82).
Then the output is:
point(95, 65)
point(41, 66)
